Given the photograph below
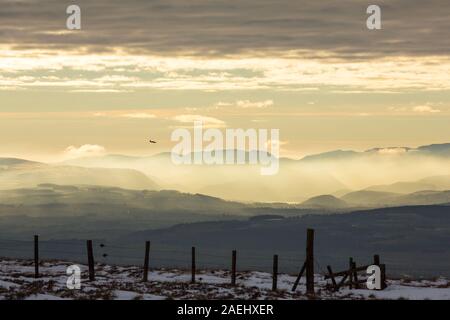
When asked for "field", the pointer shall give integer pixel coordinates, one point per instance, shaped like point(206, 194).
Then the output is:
point(125, 283)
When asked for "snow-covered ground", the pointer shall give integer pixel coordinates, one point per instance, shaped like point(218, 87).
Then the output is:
point(114, 282)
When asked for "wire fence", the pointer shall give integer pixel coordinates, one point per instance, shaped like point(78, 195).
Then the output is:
point(169, 256)
point(161, 255)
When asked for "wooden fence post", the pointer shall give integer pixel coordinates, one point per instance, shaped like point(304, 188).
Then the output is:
point(310, 261)
point(233, 268)
point(355, 275)
point(193, 267)
point(350, 272)
point(147, 256)
point(275, 273)
point(36, 256)
point(383, 276)
point(90, 253)
point(376, 260)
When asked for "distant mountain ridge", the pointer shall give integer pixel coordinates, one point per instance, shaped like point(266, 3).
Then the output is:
point(442, 149)
point(377, 199)
point(437, 149)
point(331, 155)
point(437, 183)
point(376, 169)
point(7, 163)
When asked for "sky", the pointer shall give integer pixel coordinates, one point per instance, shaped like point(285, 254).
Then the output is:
point(140, 69)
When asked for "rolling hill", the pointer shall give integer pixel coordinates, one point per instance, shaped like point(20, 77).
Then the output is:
point(325, 201)
point(411, 239)
point(379, 199)
point(369, 198)
point(117, 200)
point(90, 211)
point(19, 173)
point(423, 198)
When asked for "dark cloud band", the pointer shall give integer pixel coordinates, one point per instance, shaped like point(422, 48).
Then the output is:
point(222, 27)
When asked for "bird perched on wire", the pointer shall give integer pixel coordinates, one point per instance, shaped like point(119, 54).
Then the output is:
point(152, 141)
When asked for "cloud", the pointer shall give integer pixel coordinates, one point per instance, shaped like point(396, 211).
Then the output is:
point(254, 104)
point(139, 115)
point(245, 104)
point(205, 27)
point(99, 91)
point(206, 121)
point(124, 114)
point(392, 151)
point(421, 109)
point(99, 114)
point(86, 150)
point(22, 70)
point(259, 120)
point(426, 109)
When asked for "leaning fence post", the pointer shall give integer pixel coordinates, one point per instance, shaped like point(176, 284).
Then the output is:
point(147, 255)
point(297, 281)
point(193, 267)
point(275, 273)
point(36, 256)
point(333, 280)
point(310, 261)
point(233, 268)
point(90, 253)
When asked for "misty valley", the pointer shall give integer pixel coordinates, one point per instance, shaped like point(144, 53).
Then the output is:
point(120, 202)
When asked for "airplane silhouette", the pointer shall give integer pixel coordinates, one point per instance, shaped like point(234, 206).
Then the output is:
point(152, 141)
